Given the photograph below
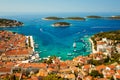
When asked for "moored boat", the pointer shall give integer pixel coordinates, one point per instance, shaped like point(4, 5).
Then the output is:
point(74, 45)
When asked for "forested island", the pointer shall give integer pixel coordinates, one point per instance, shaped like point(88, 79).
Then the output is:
point(94, 17)
point(114, 18)
point(75, 18)
point(9, 23)
point(53, 18)
point(61, 24)
point(82, 18)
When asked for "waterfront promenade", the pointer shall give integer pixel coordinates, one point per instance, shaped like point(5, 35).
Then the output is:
point(93, 47)
point(32, 42)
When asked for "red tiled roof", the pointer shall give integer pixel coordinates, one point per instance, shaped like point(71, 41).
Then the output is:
point(52, 65)
point(78, 58)
point(34, 78)
point(5, 69)
point(102, 79)
point(117, 76)
point(118, 71)
point(63, 64)
point(33, 65)
point(100, 42)
point(1, 63)
point(101, 67)
point(86, 66)
point(17, 52)
point(111, 72)
point(111, 66)
point(12, 41)
point(9, 64)
point(88, 78)
point(17, 74)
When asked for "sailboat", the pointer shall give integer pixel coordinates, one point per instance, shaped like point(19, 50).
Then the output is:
point(41, 30)
point(74, 45)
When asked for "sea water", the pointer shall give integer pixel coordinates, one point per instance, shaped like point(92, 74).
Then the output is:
point(51, 41)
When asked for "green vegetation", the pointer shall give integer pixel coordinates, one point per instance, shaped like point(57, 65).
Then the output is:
point(81, 18)
point(114, 18)
point(49, 60)
point(75, 18)
point(9, 23)
point(61, 24)
point(53, 77)
point(10, 77)
point(97, 62)
point(112, 35)
point(53, 18)
point(95, 74)
point(94, 17)
point(115, 57)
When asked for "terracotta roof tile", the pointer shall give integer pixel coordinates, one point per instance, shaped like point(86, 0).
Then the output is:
point(118, 71)
point(87, 66)
point(111, 66)
point(100, 68)
point(117, 76)
point(5, 69)
point(88, 78)
point(100, 43)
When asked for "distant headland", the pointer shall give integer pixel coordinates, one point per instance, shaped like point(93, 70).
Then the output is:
point(9, 23)
point(61, 24)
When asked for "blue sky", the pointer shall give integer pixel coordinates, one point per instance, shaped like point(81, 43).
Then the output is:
point(59, 5)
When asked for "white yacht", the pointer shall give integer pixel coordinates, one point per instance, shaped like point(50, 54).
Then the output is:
point(69, 54)
point(74, 45)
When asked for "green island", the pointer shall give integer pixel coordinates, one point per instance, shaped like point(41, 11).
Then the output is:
point(114, 17)
point(75, 18)
point(61, 24)
point(53, 18)
point(9, 23)
point(94, 17)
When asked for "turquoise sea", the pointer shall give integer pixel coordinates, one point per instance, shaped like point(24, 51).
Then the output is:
point(59, 41)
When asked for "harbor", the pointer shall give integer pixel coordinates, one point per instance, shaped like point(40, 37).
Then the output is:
point(34, 57)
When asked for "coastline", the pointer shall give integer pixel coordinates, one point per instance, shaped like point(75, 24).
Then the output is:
point(93, 50)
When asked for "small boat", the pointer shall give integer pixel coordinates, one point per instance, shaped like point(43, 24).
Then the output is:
point(69, 54)
point(59, 57)
point(74, 50)
point(74, 45)
point(41, 30)
point(36, 45)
